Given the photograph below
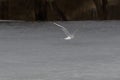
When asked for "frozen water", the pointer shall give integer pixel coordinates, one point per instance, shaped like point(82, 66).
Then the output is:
point(37, 51)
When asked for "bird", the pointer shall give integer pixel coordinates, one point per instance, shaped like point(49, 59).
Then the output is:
point(67, 33)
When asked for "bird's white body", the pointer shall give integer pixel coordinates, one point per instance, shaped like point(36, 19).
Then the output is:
point(69, 37)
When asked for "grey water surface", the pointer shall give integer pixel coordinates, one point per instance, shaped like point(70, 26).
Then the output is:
point(38, 51)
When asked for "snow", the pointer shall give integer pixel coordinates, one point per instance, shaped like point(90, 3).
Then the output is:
point(38, 51)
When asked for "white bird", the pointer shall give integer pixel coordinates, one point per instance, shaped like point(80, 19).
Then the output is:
point(67, 33)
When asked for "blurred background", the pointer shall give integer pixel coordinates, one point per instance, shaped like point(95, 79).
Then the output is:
point(64, 10)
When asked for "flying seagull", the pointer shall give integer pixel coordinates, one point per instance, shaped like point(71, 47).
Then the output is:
point(67, 33)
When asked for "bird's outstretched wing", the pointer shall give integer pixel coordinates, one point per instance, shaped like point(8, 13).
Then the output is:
point(67, 33)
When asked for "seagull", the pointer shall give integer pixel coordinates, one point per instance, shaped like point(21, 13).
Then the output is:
point(67, 33)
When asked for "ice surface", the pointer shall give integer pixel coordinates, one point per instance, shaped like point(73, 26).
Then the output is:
point(37, 51)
